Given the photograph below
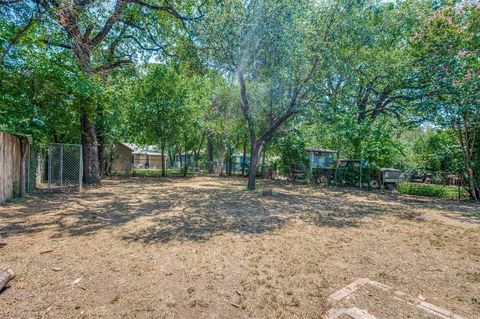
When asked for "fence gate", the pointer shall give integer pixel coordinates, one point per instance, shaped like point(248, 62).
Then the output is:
point(59, 167)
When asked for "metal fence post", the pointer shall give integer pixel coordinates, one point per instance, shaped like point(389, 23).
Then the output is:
point(360, 174)
point(28, 171)
point(49, 166)
point(61, 166)
point(80, 173)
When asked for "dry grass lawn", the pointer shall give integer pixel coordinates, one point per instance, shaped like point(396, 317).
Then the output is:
point(205, 248)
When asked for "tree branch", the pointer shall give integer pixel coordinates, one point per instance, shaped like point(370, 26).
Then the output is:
point(9, 2)
point(60, 45)
point(109, 66)
point(167, 8)
point(245, 103)
point(114, 18)
point(15, 38)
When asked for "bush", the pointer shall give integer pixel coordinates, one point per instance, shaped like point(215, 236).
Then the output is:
point(431, 190)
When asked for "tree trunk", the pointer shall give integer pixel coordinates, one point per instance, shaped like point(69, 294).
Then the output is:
point(186, 159)
point(91, 165)
point(164, 169)
point(228, 160)
point(220, 160)
point(357, 148)
point(244, 160)
point(25, 152)
point(472, 186)
point(196, 153)
point(100, 140)
point(211, 169)
point(467, 149)
point(172, 155)
point(101, 152)
point(255, 154)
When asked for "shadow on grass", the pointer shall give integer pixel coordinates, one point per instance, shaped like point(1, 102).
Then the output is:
point(159, 211)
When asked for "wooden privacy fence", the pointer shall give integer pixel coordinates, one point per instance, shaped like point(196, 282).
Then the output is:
point(13, 168)
point(27, 167)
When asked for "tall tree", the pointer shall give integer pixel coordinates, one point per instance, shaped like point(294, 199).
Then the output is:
point(370, 76)
point(160, 117)
point(448, 55)
point(103, 36)
point(266, 47)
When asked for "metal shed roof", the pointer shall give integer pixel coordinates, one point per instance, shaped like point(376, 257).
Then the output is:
point(319, 150)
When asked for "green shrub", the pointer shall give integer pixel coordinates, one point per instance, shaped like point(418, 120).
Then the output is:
point(431, 190)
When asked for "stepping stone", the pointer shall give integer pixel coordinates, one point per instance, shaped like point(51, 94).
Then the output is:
point(367, 299)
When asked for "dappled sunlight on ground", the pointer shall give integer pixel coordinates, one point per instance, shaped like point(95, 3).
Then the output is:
point(205, 247)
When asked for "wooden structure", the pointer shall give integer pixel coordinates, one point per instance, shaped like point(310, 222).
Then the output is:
point(13, 165)
point(320, 158)
point(127, 156)
point(5, 276)
point(148, 159)
point(123, 159)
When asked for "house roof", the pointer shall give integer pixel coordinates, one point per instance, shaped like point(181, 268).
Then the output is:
point(144, 149)
point(389, 170)
point(129, 146)
point(318, 150)
point(149, 149)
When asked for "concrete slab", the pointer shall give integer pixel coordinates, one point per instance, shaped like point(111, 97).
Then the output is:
point(368, 299)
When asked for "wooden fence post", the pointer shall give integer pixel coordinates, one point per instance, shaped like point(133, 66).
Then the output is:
point(24, 155)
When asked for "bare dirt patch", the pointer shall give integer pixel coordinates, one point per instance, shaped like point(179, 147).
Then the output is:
point(206, 248)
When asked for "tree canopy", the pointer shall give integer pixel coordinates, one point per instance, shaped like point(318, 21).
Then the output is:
point(394, 83)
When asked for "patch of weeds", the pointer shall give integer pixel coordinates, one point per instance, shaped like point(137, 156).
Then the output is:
point(366, 260)
point(210, 287)
point(294, 302)
point(242, 302)
point(190, 290)
point(432, 190)
point(270, 193)
point(319, 289)
point(16, 200)
point(171, 303)
point(198, 303)
point(255, 273)
point(412, 216)
point(475, 301)
point(473, 276)
point(119, 206)
point(438, 240)
point(261, 281)
point(436, 243)
point(218, 276)
point(384, 275)
point(115, 299)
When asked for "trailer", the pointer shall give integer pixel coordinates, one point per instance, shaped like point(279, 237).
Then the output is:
point(326, 169)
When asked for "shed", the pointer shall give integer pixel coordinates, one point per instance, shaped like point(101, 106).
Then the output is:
point(123, 158)
point(146, 156)
point(320, 158)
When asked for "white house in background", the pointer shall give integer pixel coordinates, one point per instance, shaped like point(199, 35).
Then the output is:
point(145, 156)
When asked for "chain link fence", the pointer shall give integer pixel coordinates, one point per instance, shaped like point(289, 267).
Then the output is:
point(55, 167)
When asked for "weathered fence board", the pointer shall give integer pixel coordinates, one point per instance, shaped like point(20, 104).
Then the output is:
point(10, 159)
